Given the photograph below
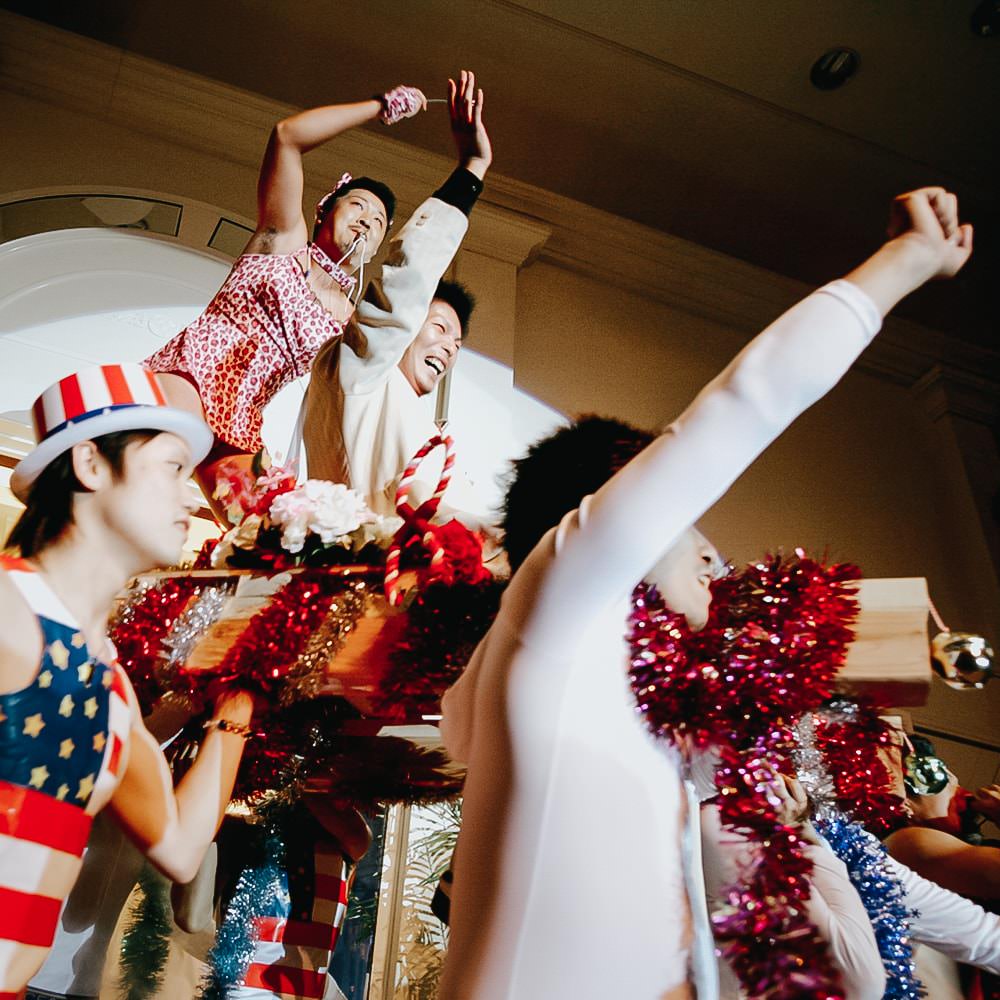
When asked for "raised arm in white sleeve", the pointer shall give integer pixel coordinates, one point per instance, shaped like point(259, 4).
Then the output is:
point(395, 307)
point(633, 519)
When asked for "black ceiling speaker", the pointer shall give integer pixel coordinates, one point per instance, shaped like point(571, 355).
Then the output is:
point(834, 68)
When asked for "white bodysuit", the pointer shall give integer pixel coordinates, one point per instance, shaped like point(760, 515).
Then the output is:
point(568, 875)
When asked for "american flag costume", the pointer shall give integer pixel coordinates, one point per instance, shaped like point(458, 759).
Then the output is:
point(63, 749)
point(64, 737)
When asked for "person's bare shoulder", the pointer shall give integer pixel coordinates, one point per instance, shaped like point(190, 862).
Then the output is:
point(20, 638)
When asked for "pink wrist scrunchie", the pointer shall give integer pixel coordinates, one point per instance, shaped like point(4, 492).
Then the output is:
point(399, 103)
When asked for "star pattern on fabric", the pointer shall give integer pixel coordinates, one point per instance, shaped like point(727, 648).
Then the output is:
point(84, 672)
point(106, 679)
point(62, 792)
point(86, 787)
point(45, 679)
point(90, 707)
point(59, 654)
point(66, 749)
point(99, 741)
point(39, 775)
point(3, 718)
point(33, 725)
point(66, 706)
point(78, 641)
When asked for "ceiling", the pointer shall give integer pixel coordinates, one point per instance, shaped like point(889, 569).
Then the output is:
point(695, 117)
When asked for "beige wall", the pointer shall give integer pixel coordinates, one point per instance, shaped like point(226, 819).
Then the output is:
point(594, 314)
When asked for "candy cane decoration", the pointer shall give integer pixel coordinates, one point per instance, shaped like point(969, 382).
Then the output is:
point(417, 522)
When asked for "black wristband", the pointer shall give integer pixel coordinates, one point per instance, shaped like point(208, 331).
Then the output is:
point(461, 189)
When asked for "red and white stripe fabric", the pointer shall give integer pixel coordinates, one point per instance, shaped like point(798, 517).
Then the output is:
point(292, 957)
point(94, 390)
point(120, 715)
point(41, 846)
point(42, 838)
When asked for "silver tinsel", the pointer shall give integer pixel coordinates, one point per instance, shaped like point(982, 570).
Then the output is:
point(811, 769)
point(193, 623)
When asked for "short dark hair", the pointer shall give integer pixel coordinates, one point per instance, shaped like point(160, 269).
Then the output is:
point(381, 191)
point(49, 509)
point(459, 298)
point(922, 747)
point(558, 472)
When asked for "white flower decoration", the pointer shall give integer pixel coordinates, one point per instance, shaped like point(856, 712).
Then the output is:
point(330, 510)
point(380, 531)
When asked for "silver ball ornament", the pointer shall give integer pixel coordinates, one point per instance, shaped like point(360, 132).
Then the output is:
point(962, 660)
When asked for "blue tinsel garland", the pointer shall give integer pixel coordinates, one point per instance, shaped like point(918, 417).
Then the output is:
point(883, 899)
point(260, 891)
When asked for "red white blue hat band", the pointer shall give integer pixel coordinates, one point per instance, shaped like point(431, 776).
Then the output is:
point(101, 400)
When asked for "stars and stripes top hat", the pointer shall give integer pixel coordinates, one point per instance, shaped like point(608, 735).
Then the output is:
point(102, 400)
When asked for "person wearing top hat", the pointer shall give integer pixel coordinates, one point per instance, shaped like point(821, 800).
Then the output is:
point(107, 497)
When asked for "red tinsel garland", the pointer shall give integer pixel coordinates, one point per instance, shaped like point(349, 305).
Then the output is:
point(853, 751)
point(764, 929)
point(444, 625)
point(269, 647)
point(776, 637)
point(139, 632)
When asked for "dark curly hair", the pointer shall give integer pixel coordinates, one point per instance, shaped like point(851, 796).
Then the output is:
point(459, 298)
point(558, 472)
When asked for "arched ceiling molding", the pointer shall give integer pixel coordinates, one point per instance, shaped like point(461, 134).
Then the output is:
point(198, 222)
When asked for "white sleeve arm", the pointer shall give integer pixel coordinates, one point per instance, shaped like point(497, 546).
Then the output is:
point(836, 910)
point(950, 923)
point(394, 308)
point(834, 907)
point(606, 546)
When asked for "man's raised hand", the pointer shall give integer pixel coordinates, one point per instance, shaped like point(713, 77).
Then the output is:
point(465, 107)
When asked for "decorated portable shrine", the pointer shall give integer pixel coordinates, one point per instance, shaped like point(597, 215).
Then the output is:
point(341, 621)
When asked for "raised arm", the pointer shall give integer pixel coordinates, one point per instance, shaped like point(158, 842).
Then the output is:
point(970, 869)
point(281, 226)
point(615, 537)
point(392, 313)
point(175, 826)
